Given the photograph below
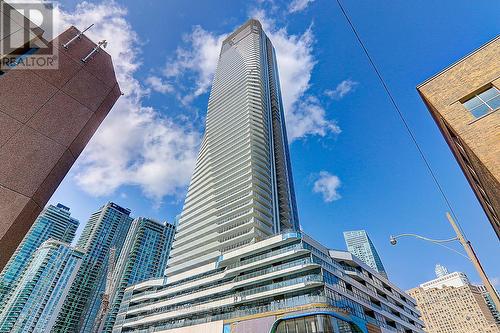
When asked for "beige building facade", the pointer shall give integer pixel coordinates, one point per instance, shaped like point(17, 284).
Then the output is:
point(450, 304)
point(464, 100)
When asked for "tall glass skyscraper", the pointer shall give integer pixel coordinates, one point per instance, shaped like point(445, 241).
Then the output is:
point(440, 270)
point(105, 229)
point(54, 222)
point(239, 262)
point(359, 243)
point(143, 256)
point(242, 188)
point(39, 294)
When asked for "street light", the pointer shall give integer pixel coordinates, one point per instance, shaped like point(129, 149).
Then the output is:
point(468, 249)
point(394, 239)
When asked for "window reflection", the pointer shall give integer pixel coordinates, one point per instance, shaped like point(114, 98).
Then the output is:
point(483, 103)
point(320, 323)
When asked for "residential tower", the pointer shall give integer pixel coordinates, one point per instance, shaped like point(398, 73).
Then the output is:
point(143, 256)
point(106, 229)
point(55, 222)
point(359, 243)
point(42, 289)
point(239, 262)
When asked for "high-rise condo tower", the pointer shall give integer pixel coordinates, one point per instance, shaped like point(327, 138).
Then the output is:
point(239, 262)
point(56, 223)
point(106, 229)
point(37, 297)
point(359, 243)
point(242, 188)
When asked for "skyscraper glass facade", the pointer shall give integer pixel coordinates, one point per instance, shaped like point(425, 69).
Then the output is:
point(359, 243)
point(105, 229)
point(143, 256)
point(440, 270)
point(238, 260)
point(54, 222)
point(39, 294)
point(242, 189)
point(491, 305)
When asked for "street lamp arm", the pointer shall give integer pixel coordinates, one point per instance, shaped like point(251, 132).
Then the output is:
point(425, 238)
point(439, 242)
point(471, 255)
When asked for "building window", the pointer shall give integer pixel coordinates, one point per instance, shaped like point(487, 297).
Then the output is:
point(315, 323)
point(484, 102)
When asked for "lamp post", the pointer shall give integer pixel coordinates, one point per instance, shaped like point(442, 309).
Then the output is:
point(468, 249)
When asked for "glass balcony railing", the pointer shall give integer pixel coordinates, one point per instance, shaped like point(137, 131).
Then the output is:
point(265, 255)
point(239, 278)
point(286, 283)
point(291, 302)
point(284, 266)
point(241, 295)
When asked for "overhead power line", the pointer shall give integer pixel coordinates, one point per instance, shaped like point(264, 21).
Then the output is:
point(400, 114)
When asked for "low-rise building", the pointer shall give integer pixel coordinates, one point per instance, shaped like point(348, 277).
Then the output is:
point(464, 100)
point(287, 278)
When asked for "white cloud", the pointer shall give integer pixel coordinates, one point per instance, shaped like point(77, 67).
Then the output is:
point(298, 5)
point(308, 118)
point(135, 145)
point(495, 281)
point(342, 89)
point(328, 185)
point(199, 58)
point(159, 85)
point(304, 115)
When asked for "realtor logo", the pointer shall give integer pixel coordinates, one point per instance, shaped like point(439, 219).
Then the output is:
point(26, 29)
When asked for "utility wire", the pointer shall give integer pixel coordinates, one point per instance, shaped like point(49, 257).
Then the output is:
point(400, 114)
point(452, 249)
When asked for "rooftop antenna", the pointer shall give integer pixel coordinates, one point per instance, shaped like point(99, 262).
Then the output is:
point(101, 45)
point(79, 36)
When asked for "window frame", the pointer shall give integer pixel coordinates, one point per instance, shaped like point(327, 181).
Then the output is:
point(483, 102)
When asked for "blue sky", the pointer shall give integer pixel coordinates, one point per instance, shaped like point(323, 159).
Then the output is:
point(354, 165)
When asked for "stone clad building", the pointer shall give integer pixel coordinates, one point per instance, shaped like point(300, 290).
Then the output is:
point(47, 116)
point(451, 304)
point(464, 100)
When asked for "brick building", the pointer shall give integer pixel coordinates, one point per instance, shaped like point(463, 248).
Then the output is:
point(464, 100)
